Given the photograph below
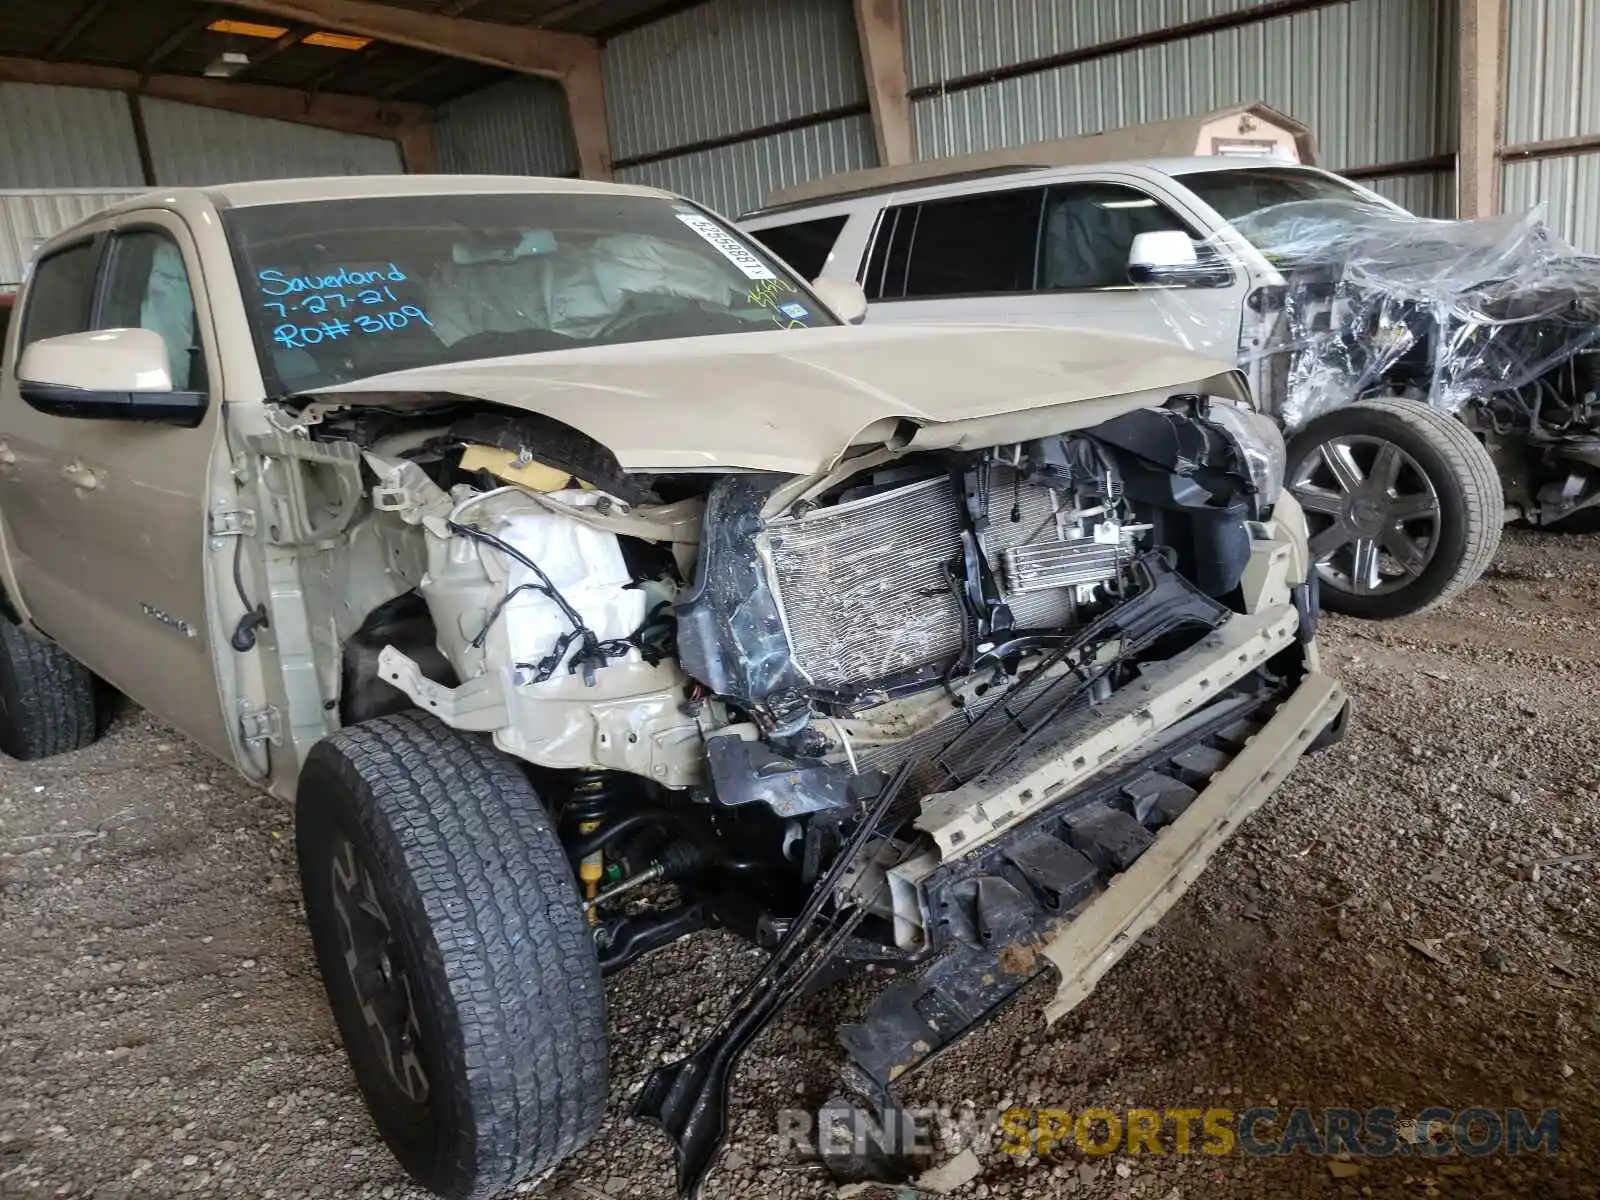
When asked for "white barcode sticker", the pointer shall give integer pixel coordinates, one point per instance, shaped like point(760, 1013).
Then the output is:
point(725, 244)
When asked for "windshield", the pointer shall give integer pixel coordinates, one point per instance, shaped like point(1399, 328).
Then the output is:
point(338, 290)
point(1279, 209)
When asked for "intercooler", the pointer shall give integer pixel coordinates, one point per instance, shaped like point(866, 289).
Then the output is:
point(865, 585)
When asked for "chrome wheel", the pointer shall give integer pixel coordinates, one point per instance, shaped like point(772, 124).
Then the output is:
point(372, 957)
point(1372, 512)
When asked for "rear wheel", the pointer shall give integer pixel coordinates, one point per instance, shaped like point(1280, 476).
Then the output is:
point(47, 698)
point(454, 949)
point(1402, 502)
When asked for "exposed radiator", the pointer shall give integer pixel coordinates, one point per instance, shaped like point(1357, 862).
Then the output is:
point(864, 586)
point(1064, 564)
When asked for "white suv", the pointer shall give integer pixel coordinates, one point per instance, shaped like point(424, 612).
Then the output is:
point(1403, 500)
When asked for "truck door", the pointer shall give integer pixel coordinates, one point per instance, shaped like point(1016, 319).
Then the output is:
point(38, 504)
point(1045, 255)
point(128, 598)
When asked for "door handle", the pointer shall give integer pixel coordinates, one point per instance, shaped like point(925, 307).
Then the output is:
point(82, 477)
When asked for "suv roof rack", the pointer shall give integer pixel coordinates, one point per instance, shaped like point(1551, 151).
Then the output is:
point(955, 175)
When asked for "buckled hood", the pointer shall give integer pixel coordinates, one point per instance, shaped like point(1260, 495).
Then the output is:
point(793, 401)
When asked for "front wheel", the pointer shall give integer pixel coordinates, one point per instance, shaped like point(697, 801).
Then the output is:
point(47, 698)
point(1402, 502)
point(453, 946)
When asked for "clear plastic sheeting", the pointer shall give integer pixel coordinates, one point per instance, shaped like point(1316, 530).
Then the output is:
point(1364, 300)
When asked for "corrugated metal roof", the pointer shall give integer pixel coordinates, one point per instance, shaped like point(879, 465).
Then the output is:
point(726, 67)
point(56, 137)
point(519, 127)
point(172, 36)
point(1552, 70)
point(946, 39)
point(734, 179)
point(1570, 189)
point(28, 219)
point(190, 145)
point(1305, 65)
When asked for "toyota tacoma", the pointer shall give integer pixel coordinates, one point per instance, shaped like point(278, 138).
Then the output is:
point(586, 579)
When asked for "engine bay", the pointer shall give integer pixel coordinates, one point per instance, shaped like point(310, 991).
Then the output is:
point(711, 675)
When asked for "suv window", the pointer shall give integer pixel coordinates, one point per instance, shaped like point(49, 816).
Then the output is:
point(61, 293)
point(966, 245)
point(147, 287)
point(805, 245)
point(1073, 236)
point(1089, 229)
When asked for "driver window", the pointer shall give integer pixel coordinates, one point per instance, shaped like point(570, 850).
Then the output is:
point(1088, 231)
point(147, 287)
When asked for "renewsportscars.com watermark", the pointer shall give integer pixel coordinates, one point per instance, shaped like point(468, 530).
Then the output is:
point(1375, 1132)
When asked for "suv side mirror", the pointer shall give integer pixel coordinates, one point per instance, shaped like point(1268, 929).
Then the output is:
point(108, 375)
point(1168, 257)
point(844, 297)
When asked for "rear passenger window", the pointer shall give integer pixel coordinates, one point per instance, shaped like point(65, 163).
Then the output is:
point(968, 245)
point(805, 245)
point(60, 294)
point(1088, 231)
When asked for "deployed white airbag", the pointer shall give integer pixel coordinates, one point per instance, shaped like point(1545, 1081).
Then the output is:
point(582, 563)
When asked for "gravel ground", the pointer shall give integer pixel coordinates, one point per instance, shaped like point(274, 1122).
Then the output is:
point(1412, 921)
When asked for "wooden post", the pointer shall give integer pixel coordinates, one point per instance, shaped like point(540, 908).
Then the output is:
point(1477, 163)
point(880, 27)
point(586, 109)
point(419, 149)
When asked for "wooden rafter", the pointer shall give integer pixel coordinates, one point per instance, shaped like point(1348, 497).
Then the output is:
point(510, 47)
point(377, 50)
point(349, 114)
point(87, 16)
point(181, 34)
point(407, 82)
point(280, 45)
point(567, 57)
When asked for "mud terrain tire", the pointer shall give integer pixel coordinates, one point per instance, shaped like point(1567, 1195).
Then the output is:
point(430, 851)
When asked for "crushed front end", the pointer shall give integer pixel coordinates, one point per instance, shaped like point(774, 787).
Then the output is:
point(1086, 648)
point(967, 712)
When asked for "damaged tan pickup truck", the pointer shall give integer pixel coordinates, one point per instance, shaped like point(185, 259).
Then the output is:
point(587, 580)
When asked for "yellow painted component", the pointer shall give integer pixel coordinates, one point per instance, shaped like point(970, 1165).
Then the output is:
point(337, 41)
point(591, 869)
point(502, 464)
point(254, 29)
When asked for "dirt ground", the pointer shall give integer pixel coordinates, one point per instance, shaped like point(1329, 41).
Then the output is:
point(1411, 922)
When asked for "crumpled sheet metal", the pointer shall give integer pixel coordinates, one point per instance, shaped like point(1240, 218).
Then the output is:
point(1451, 311)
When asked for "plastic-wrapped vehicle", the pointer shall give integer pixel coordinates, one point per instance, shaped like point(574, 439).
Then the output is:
point(1497, 320)
point(587, 580)
point(1403, 500)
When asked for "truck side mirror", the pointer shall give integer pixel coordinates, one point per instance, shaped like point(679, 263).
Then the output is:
point(107, 375)
point(1169, 258)
point(844, 297)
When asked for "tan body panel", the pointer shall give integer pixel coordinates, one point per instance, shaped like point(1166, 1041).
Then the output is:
point(106, 524)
